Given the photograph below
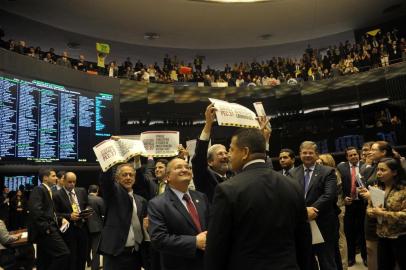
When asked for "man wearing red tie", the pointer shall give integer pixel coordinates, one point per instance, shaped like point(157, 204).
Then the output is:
point(354, 206)
point(178, 220)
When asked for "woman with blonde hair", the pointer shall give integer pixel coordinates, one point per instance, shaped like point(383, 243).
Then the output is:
point(328, 160)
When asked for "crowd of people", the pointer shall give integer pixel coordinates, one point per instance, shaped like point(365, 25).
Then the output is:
point(370, 52)
point(224, 209)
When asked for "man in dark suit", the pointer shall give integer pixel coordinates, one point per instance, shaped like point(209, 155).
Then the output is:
point(69, 201)
point(209, 164)
point(123, 232)
point(320, 191)
point(259, 216)
point(95, 223)
point(354, 206)
point(178, 221)
point(43, 229)
point(286, 160)
point(59, 181)
point(154, 177)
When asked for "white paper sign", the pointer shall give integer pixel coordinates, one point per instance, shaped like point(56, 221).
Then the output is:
point(160, 143)
point(259, 108)
point(112, 152)
point(233, 114)
point(317, 238)
point(377, 196)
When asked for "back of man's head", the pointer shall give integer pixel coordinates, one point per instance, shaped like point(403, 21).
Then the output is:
point(251, 138)
point(93, 188)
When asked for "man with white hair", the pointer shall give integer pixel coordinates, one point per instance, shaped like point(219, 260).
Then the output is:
point(210, 164)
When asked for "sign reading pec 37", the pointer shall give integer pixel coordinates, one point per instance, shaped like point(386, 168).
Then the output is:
point(160, 143)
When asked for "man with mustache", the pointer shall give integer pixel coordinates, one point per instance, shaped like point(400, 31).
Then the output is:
point(210, 164)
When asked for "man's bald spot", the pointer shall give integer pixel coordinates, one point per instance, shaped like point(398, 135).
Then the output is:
point(70, 175)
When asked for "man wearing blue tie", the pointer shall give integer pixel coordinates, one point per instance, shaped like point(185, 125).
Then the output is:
point(320, 190)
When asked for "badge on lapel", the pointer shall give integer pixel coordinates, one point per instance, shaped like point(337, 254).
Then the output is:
point(196, 201)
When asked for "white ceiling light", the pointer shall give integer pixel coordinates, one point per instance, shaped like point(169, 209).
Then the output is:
point(232, 1)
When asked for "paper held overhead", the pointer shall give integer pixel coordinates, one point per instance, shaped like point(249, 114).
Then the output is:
point(233, 114)
point(112, 152)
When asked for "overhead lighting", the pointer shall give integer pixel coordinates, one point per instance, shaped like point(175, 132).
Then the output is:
point(319, 109)
point(369, 102)
point(232, 1)
point(344, 107)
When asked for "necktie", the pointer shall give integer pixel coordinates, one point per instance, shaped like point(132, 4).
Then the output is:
point(193, 212)
point(306, 180)
point(73, 202)
point(353, 181)
point(161, 187)
point(136, 225)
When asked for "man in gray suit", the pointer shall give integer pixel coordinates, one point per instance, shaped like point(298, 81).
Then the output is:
point(95, 223)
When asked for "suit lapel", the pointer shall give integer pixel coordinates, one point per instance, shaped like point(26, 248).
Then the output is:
point(200, 209)
point(314, 178)
point(180, 207)
point(300, 176)
point(65, 199)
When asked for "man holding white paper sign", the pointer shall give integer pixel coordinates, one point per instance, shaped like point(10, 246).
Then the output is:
point(211, 164)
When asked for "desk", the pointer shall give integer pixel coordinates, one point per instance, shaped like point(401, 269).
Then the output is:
point(21, 241)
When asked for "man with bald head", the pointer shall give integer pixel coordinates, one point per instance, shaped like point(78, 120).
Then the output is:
point(69, 202)
point(210, 164)
point(178, 220)
point(123, 233)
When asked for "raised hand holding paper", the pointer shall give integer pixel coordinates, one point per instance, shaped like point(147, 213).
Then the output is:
point(111, 152)
point(233, 114)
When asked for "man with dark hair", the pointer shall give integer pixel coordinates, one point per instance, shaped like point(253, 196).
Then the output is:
point(43, 229)
point(319, 184)
point(178, 220)
point(123, 233)
point(155, 177)
point(59, 181)
point(258, 218)
point(69, 202)
point(95, 223)
point(355, 206)
point(286, 160)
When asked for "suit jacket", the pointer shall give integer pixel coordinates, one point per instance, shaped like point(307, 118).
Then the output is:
point(321, 194)
point(204, 178)
point(173, 232)
point(41, 217)
point(119, 209)
point(95, 221)
point(345, 171)
point(63, 206)
point(147, 185)
point(258, 222)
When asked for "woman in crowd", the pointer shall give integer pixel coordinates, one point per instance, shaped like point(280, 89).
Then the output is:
point(391, 227)
point(379, 150)
point(7, 256)
point(328, 160)
point(18, 211)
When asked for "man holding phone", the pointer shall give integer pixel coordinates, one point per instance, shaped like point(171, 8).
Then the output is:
point(71, 203)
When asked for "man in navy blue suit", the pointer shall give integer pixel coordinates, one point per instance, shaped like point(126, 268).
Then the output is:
point(178, 220)
point(319, 184)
